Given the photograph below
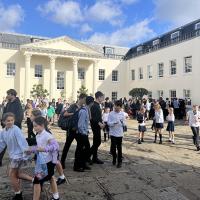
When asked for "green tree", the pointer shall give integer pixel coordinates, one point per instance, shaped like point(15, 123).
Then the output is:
point(39, 91)
point(83, 90)
point(138, 92)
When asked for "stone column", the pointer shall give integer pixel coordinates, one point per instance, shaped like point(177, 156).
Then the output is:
point(75, 78)
point(27, 75)
point(52, 77)
point(95, 68)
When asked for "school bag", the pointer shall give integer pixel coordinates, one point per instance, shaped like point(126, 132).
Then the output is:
point(63, 121)
point(140, 117)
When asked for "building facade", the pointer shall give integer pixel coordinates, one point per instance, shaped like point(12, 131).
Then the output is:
point(61, 65)
point(167, 66)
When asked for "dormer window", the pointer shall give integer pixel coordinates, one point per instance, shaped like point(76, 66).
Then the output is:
point(175, 35)
point(108, 50)
point(197, 26)
point(139, 48)
point(156, 42)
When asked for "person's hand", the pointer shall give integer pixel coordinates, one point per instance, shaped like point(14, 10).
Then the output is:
point(186, 123)
point(101, 125)
point(40, 149)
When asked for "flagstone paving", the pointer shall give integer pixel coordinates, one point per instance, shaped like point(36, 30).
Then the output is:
point(149, 171)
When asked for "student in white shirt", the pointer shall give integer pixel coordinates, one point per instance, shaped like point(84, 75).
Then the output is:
point(170, 125)
point(116, 122)
point(105, 121)
point(193, 118)
point(159, 119)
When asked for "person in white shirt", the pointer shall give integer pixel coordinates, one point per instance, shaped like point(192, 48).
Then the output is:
point(159, 119)
point(105, 121)
point(116, 121)
point(170, 125)
point(193, 118)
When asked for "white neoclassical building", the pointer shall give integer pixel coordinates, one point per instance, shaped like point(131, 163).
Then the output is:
point(61, 65)
point(168, 65)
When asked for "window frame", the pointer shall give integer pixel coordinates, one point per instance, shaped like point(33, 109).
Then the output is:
point(11, 69)
point(149, 72)
point(141, 74)
point(59, 84)
point(102, 76)
point(115, 92)
point(133, 77)
point(174, 36)
point(170, 92)
point(159, 74)
point(197, 26)
point(115, 76)
point(172, 67)
point(81, 74)
point(38, 70)
point(186, 69)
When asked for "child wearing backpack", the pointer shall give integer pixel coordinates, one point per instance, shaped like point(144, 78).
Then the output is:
point(13, 138)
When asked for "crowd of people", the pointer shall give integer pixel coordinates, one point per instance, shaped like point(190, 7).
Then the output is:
point(41, 147)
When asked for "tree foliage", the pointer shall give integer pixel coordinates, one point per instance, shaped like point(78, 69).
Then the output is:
point(38, 91)
point(83, 90)
point(138, 92)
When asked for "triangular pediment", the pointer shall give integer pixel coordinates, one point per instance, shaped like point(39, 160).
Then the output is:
point(62, 43)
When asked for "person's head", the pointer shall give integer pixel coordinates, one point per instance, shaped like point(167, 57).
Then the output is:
point(89, 101)
point(99, 96)
point(29, 106)
point(142, 109)
point(82, 99)
point(157, 106)
point(195, 108)
point(118, 106)
point(35, 113)
point(59, 100)
point(170, 110)
point(8, 119)
point(107, 110)
point(107, 99)
point(39, 124)
point(11, 94)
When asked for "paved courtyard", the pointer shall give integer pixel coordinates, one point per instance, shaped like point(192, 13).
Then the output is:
point(149, 172)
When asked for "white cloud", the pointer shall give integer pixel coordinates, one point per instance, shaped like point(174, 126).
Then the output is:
point(105, 11)
point(62, 12)
point(10, 17)
point(85, 28)
point(177, 12)
point(127, 36)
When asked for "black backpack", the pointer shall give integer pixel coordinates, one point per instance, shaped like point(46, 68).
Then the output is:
point(63, 121)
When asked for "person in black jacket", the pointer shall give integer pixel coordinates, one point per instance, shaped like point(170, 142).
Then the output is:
point(13, 106)
point(96, 125)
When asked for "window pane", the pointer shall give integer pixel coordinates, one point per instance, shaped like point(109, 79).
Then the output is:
point(101, 74)
point(114, 75)
point(60, 80)
point(38, 70)
point(160, 70)
point(149, 72)
point(11, 69)
point(140, 73)
point(172, 93)
point(188, 64)
point(133, 74)
point(114, 96)
point(173, 67)
point(81, 73)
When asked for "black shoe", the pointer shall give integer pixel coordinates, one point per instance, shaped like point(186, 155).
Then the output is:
point(98, 161)
point(160, 142)
point(119, 165)
point(79, 169)
point(18, 197)
point(139, 141)
point(0, 164)
point(60, 181)
point(198, 148)
point(142, 140)
point(87, 167)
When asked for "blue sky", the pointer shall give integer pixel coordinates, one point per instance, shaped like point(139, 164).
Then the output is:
point(116, 22)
